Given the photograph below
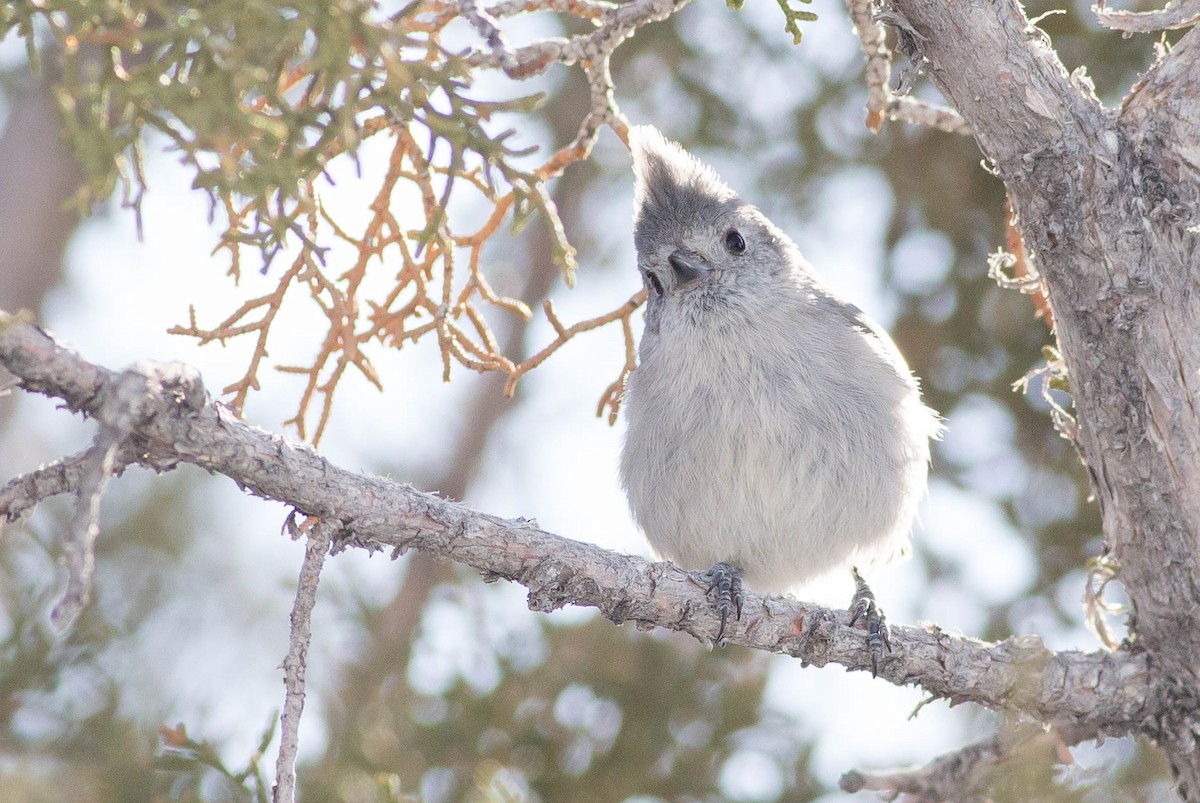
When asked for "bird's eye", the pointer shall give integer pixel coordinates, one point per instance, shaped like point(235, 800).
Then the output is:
point(735, 242)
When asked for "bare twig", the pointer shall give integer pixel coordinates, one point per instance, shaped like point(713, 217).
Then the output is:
point(564, 334)
point(601, 111)
point(294, 664)
point(22, 494)
point(615, 26)
point(882, 102)
point(1054, 377)
point(963, 774)
point(1173, 15)
point(614, 393)
point(584, 9)
point(873, 39)
point(1004, 270)
point(79, 544)
point(1102, 570)
point(487, 27)
point(908, 109)
point(122, 408)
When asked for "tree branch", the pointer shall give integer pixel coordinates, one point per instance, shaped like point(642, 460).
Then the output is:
point(616, 23)
point(79, 544)
point(882, 102)
point(1108, 205)
point(1161, 118)
point(1096, 692)
point(295, 664)
point(21, 494)
point(961, 775)
point(1171, 16)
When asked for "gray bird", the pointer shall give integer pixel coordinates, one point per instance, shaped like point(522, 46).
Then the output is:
point(774, 431)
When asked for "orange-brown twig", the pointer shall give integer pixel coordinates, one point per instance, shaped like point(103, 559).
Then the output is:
point(441, 287)
point(622, 312)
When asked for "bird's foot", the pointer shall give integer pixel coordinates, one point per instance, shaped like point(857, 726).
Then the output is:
point(863, 606)
point(727, 582)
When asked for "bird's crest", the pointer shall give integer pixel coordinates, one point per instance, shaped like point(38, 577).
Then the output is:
point(672, 188)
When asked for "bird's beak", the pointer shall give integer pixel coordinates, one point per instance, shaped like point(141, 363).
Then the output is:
point(688, 266)
point(683, 268)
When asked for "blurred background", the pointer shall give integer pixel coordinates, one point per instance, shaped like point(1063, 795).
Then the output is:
point(425, 682)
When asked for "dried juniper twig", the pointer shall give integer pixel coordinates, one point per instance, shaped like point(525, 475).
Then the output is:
point(263, 156)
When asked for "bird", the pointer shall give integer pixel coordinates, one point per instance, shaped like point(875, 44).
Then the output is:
point(773, 431)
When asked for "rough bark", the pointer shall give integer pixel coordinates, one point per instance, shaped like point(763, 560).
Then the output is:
point(1106, 198)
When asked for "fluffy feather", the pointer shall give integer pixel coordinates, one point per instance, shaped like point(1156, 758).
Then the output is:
point(771, 425)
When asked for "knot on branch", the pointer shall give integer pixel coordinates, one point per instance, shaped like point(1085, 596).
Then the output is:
point(552, 585)
point(123, 405)
point(177, 383)
point(1176, 712)
point(908, 42)
point(815, 632)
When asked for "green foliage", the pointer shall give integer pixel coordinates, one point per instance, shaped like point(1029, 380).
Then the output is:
point(187, 762)
point(792, 16)
point(257, 98)
point(609, 709)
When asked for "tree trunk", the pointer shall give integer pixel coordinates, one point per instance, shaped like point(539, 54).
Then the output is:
point(1105, 200)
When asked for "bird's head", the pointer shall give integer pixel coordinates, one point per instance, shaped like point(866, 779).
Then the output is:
point(696, 240)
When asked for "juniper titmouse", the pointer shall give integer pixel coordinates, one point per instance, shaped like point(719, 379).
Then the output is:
point(774, 430)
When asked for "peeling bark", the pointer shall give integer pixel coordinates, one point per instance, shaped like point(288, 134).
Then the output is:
point(1106, 200)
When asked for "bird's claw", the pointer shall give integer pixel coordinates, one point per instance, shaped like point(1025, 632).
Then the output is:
point(863, 606)
point(725, 580)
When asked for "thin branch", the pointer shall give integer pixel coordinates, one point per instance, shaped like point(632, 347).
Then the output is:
point(487, 27)
point(962, 775)
point(121, 407)
point(873, 39)
point(1102, 570)
point(23, 493)
point(602, 110)
point(564, 334)
point(295, 663)
point(614, 393)
point(80, 540)
point(882, 102)
point(615, 26)
point(1099, 691)
point(584, 9)
point(1170, 17)
point(907, 109)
